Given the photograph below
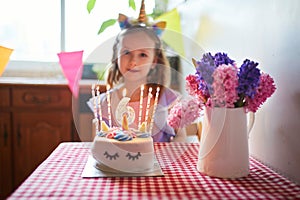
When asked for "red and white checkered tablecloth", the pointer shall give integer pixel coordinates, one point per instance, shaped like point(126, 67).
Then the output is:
point(59, 177)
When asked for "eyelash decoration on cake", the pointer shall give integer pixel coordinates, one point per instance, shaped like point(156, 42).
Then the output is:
point(111, 157)
point(131, 157)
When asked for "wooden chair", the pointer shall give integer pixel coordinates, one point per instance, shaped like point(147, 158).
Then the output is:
point(194, 129)
point(191, 133)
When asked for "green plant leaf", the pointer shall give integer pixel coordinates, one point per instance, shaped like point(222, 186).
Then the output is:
point(106, 24)
point(131, 4)
point(90, 5)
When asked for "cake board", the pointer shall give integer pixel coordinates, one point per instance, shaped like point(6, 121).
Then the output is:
point(93, 169)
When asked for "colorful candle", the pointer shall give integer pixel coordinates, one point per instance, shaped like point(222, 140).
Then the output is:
point(141, 105)
point(148, 104)
point(99, 105)
point(154, 108)
point(124, 92)
point(108, 105)
point(94, 101)
point(95, 120)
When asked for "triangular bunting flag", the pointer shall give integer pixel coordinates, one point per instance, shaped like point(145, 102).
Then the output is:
point(72, 66)
point(4, 57)
point(173, 34)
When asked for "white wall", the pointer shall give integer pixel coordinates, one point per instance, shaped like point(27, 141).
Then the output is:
point(268, 32)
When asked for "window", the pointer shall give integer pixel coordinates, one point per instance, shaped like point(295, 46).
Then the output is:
point(37, 30)
point(31, 28)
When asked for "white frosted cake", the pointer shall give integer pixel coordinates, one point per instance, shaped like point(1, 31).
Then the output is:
point(125, 150)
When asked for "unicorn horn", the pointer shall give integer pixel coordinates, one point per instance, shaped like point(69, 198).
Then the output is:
point(142, 16)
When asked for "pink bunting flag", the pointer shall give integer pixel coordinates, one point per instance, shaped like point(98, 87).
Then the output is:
point(4, 57)
point(72, 66)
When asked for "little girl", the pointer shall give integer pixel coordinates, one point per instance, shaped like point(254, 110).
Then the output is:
point(139, 61)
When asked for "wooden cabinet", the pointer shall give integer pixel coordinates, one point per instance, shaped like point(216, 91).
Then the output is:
point(34, 119)
point(39, 97)
point(6, 184)
point(36, 135)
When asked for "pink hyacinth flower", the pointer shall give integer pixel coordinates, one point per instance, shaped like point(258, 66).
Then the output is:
point(224, 86)
point(184, 112)
point(265, 90)
point(192, 87)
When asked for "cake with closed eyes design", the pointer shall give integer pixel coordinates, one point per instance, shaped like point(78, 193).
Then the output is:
point(123, 149)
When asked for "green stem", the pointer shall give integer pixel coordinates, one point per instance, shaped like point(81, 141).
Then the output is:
point(240, 102)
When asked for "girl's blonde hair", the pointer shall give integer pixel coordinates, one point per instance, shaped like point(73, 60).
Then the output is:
point(160, 74)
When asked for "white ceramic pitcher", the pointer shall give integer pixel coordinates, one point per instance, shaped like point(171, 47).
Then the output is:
point(224, 151)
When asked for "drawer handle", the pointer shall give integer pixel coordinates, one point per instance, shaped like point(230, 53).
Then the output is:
point(31, 98)
point(5, 135)
point(19, 135)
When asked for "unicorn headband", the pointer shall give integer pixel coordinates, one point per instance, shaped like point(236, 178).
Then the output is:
point(126, 22)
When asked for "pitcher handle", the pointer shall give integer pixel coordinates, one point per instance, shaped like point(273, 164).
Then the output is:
point(250, 122)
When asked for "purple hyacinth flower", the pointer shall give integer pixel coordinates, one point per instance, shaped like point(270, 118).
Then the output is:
point(249, 76)
point(208, 58)
point(204, 71)
point(222, 58)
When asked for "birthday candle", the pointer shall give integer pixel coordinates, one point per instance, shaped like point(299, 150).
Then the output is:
point(108, 105)
point(95, 120)
point(154, 108)
point(94, 101)
point(124, 92)
point(148, 104)
point(141, 105)
point(99, 105)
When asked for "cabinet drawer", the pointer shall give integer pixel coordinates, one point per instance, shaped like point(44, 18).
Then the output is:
point(4, 96)
point(46, 96)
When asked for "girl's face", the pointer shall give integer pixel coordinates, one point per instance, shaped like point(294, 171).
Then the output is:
point(136, 56)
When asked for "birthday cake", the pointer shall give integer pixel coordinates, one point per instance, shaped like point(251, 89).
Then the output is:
point(123, 149)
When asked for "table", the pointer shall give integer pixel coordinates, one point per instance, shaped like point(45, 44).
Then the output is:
point(59, 177)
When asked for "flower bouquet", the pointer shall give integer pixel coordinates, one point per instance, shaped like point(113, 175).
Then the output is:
point(218, 82)
point(227, 93)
